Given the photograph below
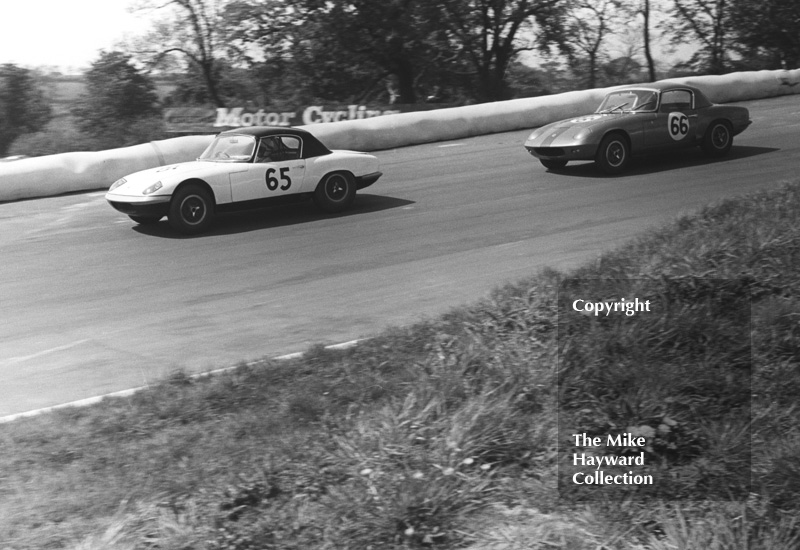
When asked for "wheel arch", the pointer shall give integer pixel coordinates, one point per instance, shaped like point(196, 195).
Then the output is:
point(336, 171)
point(624, 133)
point(703, 129)
point(327, 173)
point(199, 182)
point(728, 122)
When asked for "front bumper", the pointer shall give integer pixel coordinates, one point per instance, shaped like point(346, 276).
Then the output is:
point(150, 207)
point(367, 180)
point(582, 151)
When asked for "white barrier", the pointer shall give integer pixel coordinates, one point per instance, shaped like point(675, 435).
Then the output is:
point(458, 122)
point(387, 132)
point(70, 172)
point(746, 85)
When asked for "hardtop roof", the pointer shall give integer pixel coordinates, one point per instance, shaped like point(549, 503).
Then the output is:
point(700, 98)
point(312, 147)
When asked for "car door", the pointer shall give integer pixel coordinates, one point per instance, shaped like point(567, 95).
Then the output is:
point(277, 169)
point(675, 123)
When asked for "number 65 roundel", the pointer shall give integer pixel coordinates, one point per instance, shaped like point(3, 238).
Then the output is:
point(678, 125)
point(272, 181)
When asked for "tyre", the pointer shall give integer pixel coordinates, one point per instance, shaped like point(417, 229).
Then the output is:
point(145, 220)
point(718, 139)
point(336, 192)
point(191, 209)
point(613, 154)
point(553, 164)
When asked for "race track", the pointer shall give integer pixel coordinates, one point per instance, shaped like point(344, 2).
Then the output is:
point(93, 304)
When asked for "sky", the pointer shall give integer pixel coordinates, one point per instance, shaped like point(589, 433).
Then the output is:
point(64, 33)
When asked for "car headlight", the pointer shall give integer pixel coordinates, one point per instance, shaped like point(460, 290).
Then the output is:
point(583, 134)
point(153, 188)
point(120, 181)
point(535, 134)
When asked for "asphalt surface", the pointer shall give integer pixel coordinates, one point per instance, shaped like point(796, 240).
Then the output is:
point(93, 304)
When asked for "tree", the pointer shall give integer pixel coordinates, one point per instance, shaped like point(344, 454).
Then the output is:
point(708, 22)
point(644, 10)
point(195, 30)
point(621, 70)
point(347, 48)
point(399, 37)
point(488, 35)
point(120, 103)
point(23, 106)
point(590, 23)
point(768, 28)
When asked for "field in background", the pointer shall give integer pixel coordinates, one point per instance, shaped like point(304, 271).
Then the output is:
point(63, 134)
point(63, 91)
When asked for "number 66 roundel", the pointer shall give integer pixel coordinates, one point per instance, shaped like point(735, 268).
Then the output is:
point(678, 125)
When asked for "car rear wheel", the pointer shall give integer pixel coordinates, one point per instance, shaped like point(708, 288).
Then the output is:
point(336, 192)
point(718, 139)
point(553, 164)
point(613, 154)
point(191, 209)
point(145, 220)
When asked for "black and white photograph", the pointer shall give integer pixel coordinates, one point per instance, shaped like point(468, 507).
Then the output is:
point(399, 274)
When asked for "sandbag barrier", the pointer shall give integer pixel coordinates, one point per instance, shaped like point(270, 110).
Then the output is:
point(85, 171)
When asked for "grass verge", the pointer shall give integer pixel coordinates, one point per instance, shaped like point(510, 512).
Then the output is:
point(444, 434)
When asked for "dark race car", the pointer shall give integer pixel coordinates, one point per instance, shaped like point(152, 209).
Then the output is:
point(640, 119)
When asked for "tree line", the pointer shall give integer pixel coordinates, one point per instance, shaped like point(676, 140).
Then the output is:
point(282, 53)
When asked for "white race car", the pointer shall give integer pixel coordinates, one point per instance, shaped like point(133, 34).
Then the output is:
point(242, 169)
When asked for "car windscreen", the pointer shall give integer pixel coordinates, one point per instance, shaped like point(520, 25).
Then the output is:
point(235, 148)
point(629, 100)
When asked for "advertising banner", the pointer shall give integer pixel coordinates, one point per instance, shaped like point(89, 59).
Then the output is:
point(186, 120)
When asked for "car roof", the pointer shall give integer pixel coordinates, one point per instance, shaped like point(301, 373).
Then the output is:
point(312, 147)
point(701, 99)
point(658, 86)
point(262, 131)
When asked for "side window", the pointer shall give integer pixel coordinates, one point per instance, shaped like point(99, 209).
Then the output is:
point(268, 150)
point(291, 147)
point(646, 101)
point(676, 100)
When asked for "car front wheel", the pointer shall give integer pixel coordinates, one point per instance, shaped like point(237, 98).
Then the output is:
point(718, 139)
point(191, 209)
point(336, 192)
point(613, 154)
point(553, 164)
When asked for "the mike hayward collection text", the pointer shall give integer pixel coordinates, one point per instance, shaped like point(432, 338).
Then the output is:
point(598, 476)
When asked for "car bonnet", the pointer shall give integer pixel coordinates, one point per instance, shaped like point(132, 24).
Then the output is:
point(168, 175)
point(568, 129)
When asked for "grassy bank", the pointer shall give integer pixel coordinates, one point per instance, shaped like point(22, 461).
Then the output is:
point(445, 434)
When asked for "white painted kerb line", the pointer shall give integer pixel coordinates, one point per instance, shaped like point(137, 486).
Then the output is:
point(129, 392)
point(16, 360)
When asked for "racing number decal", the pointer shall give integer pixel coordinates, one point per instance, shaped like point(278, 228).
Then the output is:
point(272, 181)
point(678, 124)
